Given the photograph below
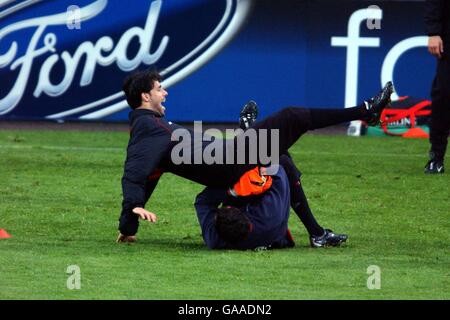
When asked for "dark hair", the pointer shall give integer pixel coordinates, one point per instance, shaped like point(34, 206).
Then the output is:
point(137, 83)
point(232, 224)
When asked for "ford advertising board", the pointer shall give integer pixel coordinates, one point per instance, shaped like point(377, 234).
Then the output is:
point(63, 60)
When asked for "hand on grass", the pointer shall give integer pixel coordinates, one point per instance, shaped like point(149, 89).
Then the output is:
point(145, 215)
point(123, 238)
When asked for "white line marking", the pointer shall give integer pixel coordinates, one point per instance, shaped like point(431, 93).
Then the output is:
point(123, 149)
point(64, 148)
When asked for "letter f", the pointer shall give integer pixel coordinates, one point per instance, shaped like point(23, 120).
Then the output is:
point(353, 42)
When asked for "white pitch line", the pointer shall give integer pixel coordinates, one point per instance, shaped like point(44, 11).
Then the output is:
point(64, 148)
point(378, 154)
point(305, 153)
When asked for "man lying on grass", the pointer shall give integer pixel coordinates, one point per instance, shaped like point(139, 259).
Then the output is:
point(252, 218)
point(255, 212)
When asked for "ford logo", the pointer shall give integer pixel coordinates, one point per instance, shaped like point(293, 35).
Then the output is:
point(64, 61)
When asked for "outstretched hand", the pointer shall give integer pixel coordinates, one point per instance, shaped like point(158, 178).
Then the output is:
point(145, 215)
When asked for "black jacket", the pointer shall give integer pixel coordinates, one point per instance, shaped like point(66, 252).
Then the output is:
point(149, 143)
point(437, 18)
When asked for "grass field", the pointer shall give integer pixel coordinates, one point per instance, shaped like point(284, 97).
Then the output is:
point(60, 199)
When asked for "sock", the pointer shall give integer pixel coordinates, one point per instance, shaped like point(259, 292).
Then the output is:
point(303, 211)
point(321, 118)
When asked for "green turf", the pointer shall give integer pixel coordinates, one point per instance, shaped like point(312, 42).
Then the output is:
point(60, 199)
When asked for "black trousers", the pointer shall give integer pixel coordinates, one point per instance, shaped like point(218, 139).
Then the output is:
point(299, 202)
point(440, 108)
point(291, 123)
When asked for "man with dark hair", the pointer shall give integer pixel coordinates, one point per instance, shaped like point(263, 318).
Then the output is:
point(150, 145)
point(231, 224)
point(260, 221)
point(257, 221)
point(143, 82)
point(254, 222)
point(319, 237)
point(437, 22)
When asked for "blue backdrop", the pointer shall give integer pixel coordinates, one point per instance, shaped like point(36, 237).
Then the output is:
point(58, 62)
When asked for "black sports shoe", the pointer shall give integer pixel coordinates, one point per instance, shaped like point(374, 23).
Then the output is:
point(328, 239)
point(248, 115)
point(375, 106)
point(434, 166)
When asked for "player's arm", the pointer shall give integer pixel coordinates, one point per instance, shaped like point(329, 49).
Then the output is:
point(433, 17)
point(129, 219)
point(143, 158)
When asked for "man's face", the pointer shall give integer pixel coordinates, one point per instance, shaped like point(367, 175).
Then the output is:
point(156, 97)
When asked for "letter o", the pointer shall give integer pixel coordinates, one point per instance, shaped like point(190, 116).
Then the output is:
point(387, 71)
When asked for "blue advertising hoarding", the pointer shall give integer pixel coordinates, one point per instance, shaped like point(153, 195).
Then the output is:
point(67, 59)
